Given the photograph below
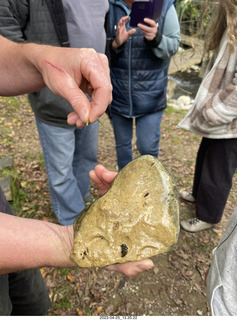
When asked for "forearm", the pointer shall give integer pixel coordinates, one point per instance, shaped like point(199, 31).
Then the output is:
point(28, 243)
point(169, 42)
point(19, 74)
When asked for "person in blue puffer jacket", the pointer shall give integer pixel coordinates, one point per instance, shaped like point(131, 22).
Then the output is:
point(139, 61)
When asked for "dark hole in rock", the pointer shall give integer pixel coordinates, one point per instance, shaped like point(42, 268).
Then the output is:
point(124, 250)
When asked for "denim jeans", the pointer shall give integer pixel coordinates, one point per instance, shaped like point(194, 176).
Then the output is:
point(147, 134)
point(69, 154)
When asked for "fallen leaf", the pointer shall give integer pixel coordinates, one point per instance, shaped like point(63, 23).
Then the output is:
point(23, 184)
point(69, 277)
point(79, 312)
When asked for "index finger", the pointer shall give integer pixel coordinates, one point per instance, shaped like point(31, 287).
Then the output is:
point(123, 19)
point(97, 73)
point(102, 177)
point(132, 268)
point(151, 24)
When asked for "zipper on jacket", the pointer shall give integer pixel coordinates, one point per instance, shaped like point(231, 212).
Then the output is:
point(130, 75)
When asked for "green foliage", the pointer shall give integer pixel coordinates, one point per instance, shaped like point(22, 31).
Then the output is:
point(176, 140)
point(171, 110)
point(63, 297)
point(35, 156)
point(189, 9)
point(64, 271)
point(20, 198)
point(189, 15)
point(12, 101)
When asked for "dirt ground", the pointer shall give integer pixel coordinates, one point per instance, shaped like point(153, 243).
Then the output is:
point(175, 286)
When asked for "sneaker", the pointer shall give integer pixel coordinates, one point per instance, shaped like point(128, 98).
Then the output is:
point(187, 196)
point(195, 225)
point(89, 200)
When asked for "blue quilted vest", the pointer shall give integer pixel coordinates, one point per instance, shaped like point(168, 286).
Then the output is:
point(139, 78)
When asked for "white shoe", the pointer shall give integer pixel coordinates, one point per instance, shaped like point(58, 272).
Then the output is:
point(187, 196)
point(195, 225)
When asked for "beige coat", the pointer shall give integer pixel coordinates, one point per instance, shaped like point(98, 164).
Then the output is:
point(214, 112)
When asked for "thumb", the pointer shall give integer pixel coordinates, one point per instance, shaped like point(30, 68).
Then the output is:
point(79, 102)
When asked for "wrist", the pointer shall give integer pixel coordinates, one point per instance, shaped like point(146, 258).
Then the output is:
point(31, 53)
point(156, 41)
point(115, 45)
point(115, 48)
point(59, 245)
point(66, 235)
point(32, 57)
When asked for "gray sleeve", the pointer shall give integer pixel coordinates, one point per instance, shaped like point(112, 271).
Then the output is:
point(222, 276)
point(170, 41)
point(13, 15)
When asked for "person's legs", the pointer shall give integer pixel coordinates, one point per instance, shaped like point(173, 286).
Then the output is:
point(201, 154)
point(28, 293)
point(5, 301)
point(186, 195)
point(58, 146)
point(218, 169)
point(148, 133)
point(85, 156)
point(123, 131)
point(217, 163)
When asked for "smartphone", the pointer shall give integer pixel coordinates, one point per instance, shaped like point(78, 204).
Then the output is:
point(145, 9)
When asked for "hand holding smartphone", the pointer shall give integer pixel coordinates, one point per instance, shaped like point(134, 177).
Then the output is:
point(145, 9)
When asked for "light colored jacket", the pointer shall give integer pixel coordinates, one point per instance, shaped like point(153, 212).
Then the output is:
point(222, 276)
point(214, 112)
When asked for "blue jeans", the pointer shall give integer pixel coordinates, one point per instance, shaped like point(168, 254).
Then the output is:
point(69, 154)
point(147, 134)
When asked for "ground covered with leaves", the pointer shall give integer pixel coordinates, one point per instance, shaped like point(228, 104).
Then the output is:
point(175, 286)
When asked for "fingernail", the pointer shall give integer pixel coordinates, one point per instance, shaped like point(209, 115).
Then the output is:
point(83, 114)
point(80, 124)
point(148, 264)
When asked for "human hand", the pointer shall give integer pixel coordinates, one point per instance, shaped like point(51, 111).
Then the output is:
point(150, 30)
point(70, 73)
point(122, 34)
point(132, 268)
point(102, 177)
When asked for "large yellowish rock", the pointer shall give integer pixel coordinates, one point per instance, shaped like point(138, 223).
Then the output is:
point(137, 218)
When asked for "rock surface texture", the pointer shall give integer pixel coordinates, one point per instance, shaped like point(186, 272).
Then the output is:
point(137, 218)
